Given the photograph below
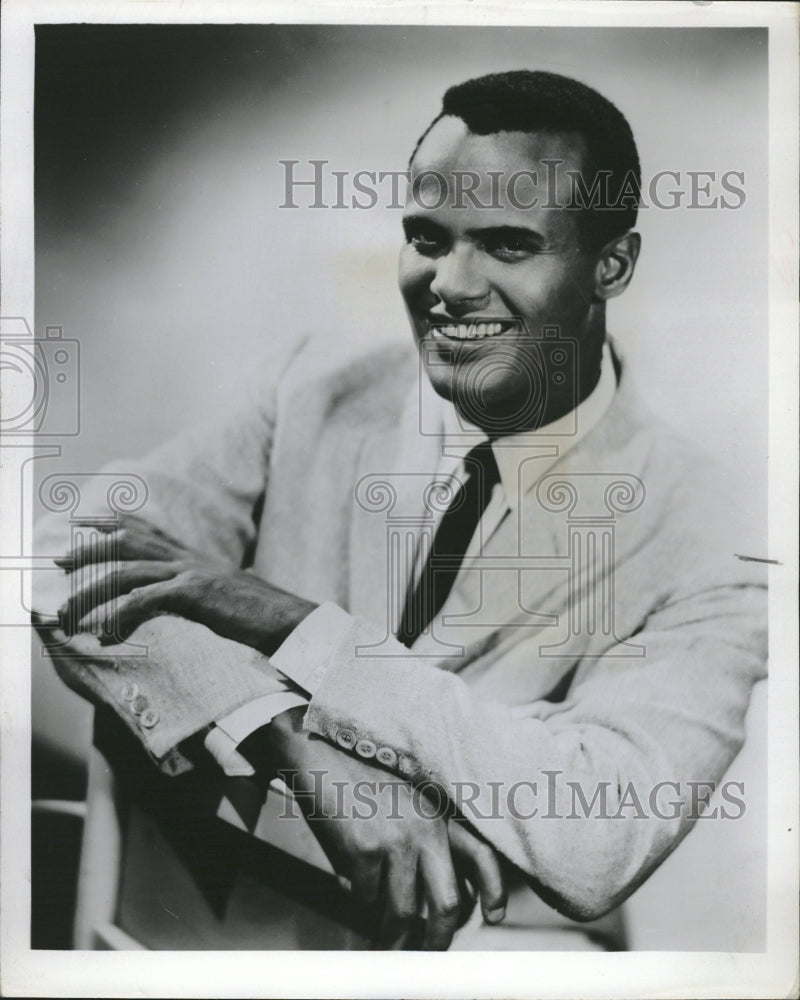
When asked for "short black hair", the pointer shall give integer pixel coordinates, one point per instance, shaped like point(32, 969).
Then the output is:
point(535, 101)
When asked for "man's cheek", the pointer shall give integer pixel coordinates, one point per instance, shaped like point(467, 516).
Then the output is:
point(409, 270)
point(415, 272)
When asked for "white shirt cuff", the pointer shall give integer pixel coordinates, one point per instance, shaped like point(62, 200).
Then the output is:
point(303, 659)
point(306, 654)
point(222, 739)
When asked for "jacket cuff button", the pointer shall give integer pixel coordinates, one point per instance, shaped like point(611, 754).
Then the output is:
point(386, 756)
point(139, 704)
point(149, 718)
point(346, 739)
point(365, 748)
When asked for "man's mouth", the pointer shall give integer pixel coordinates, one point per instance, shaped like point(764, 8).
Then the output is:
point(473, 330)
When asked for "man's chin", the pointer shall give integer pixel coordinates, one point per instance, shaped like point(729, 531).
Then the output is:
point(492, 406)
point(442, 382)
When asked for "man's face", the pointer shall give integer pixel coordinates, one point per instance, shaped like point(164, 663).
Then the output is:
point(467, 272)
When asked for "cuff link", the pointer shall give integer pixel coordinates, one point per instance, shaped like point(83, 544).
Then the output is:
point(386, 756)
point(365, 748)
point(346, 738)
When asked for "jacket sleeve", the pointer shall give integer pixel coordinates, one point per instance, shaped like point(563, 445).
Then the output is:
point(586, 796)
point(172, 677)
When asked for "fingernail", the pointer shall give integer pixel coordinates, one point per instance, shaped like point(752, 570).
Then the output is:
point(495, 916)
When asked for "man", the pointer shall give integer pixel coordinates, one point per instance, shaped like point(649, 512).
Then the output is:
point(506, 585)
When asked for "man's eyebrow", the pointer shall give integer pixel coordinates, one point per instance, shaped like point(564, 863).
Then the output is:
point(531, 236)
point(422, 220)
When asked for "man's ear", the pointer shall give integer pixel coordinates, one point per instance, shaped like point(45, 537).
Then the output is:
point(616, 264)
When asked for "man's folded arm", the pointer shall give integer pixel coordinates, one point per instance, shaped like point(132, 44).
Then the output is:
point(629, 738)
point(184, 678)
point(203, 488)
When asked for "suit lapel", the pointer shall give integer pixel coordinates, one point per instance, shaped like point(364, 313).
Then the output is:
point(395, 466)
point(508, 584)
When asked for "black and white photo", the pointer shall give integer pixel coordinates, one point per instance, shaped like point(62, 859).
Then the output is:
point(393, 451)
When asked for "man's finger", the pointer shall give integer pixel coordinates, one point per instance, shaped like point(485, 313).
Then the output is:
point(116, 621)
point(441, 894)
point(468, 897)
point(98, 523)
point(94, 548)
point(123, 520)
point(121, 545)
point(366, 880)
point(98, 622)
point(109, 582)
point(400, 901)
point(144, 603)
point(483, 868)
point(142, 524)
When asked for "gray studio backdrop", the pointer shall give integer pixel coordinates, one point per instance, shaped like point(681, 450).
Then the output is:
point(161, 247)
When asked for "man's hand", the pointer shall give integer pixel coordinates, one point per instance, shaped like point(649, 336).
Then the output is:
point(151, 574)
point(394, 845)
point(396, 859)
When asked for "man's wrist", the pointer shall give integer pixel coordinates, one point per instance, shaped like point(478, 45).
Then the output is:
point(286, 614)
point(274, 746)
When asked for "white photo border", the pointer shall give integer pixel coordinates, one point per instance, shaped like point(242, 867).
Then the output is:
point(207, 974)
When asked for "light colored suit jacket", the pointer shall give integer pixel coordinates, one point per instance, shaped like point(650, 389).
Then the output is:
point(539, 676)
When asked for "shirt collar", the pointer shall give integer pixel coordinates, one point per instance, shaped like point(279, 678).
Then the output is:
point(523, 459)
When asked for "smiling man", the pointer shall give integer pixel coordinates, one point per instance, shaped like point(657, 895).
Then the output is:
point(479, 581)
point(526, 248)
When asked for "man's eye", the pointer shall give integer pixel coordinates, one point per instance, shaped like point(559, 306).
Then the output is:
point(508, 248)
point(424, 241)
point(424, 244)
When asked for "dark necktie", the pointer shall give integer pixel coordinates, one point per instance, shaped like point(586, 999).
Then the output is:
point(425, 599)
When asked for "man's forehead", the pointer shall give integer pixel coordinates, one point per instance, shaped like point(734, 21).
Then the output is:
point(450, 146)
point(519, 178)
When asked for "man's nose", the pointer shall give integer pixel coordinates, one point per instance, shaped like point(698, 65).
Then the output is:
point(459, 282)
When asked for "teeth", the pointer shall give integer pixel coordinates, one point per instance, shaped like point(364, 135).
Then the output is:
point(475, 331)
